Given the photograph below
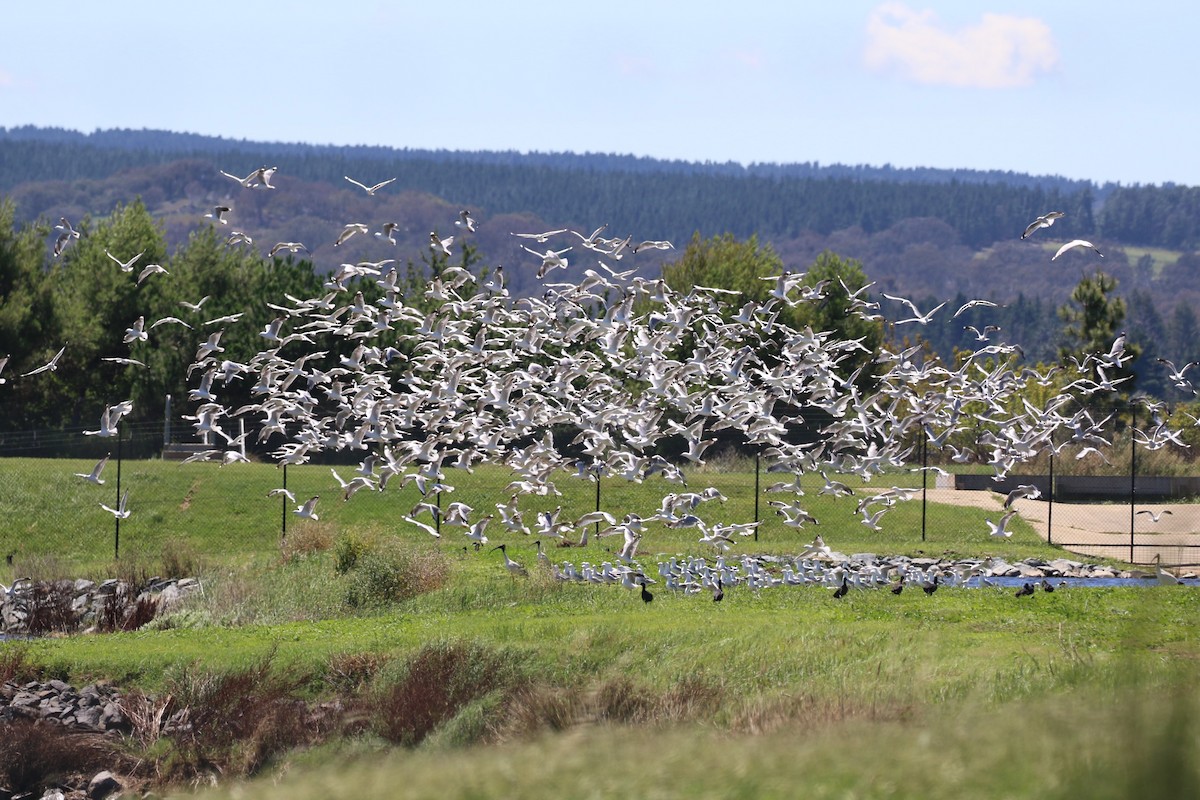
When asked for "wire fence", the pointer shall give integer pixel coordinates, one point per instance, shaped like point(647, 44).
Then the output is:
point(1131, 499)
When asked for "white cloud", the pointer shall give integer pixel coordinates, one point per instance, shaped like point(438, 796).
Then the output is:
point(999, 52)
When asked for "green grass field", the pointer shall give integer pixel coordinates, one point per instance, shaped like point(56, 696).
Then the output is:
point(583, 690)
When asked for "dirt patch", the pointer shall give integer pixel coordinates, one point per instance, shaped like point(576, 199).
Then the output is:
point(1100, 529)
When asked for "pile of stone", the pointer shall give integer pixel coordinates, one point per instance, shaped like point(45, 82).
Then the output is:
point(95, 708)
point(67, 606)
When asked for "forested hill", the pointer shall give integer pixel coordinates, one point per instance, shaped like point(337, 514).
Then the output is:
point(156, 145)
point(655, 198)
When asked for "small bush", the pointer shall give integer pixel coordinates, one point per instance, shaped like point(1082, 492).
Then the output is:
point(392, 574)
point(50, 608)
point(180, 560)
point(307, 539)
point(350, 673)
point(14, 664)
point(441, 679)
point(348, 549)
point(34, 754)
point(122, 611)
point(236, 720)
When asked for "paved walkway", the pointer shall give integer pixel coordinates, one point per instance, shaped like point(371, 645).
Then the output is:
point(1100, 529)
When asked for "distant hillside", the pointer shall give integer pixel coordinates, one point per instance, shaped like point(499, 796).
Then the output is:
point(919, 232)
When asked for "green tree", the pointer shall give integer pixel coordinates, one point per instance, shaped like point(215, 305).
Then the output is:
point(1093, 319)
point(29, 333)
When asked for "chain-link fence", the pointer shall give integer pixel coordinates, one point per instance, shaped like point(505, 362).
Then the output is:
point(1107, 488)
point(1117, 482)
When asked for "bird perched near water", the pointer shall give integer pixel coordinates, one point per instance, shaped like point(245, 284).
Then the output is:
point(371, 190)
point(1047, 586)
point(1044, 221)
point(1026, 590)
point(719, 591)
point(1077, 243)
point(842, 590)
point(931, 586)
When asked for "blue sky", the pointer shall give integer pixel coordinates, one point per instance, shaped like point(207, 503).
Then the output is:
point(1079, 89)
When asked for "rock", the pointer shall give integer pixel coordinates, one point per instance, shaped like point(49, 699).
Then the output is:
point(1027, 571)
point(102, 785)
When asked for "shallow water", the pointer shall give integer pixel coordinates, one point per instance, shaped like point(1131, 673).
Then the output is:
point(1075, 583)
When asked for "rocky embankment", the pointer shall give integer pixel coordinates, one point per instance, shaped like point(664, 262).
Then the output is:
point(35, 608)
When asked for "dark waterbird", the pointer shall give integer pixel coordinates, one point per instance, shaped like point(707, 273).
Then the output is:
point(1026, 590)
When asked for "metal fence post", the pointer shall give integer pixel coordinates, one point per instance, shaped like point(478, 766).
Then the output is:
point(117, 519)
point(1050, 500)
point(1132, 475)
point(924, 476)
point(597, 472)
point(283, 502)
point(756, 470)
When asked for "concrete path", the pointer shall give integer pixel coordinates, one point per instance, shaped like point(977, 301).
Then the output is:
point(1100, 529)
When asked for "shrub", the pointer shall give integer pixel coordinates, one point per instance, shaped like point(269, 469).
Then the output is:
point(392, 574)
point(440, 680)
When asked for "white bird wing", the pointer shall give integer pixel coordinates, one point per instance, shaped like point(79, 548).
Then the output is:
point(1077, 243)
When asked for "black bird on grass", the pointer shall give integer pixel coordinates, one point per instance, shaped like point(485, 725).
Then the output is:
point(719, 591)
point(1025, 591)
point(647, 596)
point(1047, 586)
point(931, 586)
point(898, 588)
point(842, 590)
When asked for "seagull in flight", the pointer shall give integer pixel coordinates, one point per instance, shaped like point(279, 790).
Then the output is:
point(309, 509)
point(151, 269)
point(51, 366)
point(129, 362)
point(348, 231)
point(544, 236)
point(371, 190)
point(917, 315)
point(126, 266)
point(94, 475)
point(1077, 243)
point(260, 177)
point(465, 220)
point(122, 509)
point(437, 243)
point(1044, 221)
point(218, 214)
point(293, 247)
point(1155, 516)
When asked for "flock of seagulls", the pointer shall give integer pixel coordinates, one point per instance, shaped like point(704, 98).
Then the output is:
point(630, 363)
